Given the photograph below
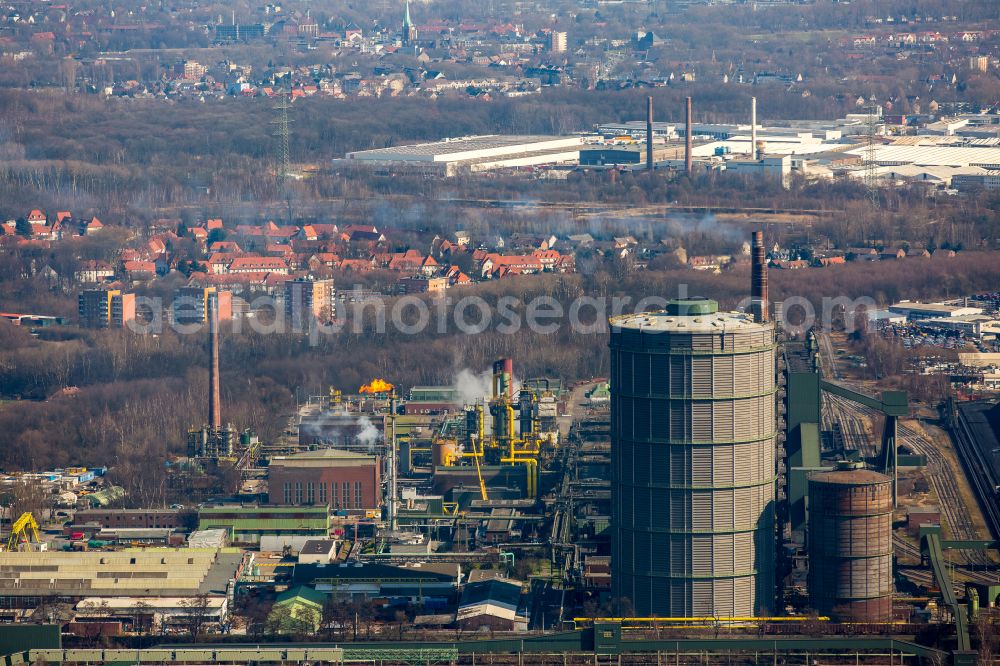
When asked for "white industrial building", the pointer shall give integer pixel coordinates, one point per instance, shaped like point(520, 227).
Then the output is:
point(775, 167)
point(975, 326)
point(986, 157)
point(914, 311)
point(473, 154)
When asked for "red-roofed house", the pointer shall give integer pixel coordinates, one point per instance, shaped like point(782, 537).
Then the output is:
point(278, 250)
point(156, 246)
point(36, 219)
point(457, 277)
point(258, 265)
point(140, 270)
point(566, 264)
point(496, 265)
point(325, 230)
point(361, 232)
point(832, 261)
point(224, 247)
point(92, 227)
point(94, 271)
point(321, 260)
point(429, 266)
point(549, 258)
point(410, 261)
point(356, 265)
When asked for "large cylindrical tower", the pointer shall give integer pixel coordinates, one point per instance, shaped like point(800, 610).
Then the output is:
point(850, 544)
point(693, 460)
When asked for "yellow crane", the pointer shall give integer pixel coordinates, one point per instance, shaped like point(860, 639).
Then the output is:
point(23, 529)
point(479, 473)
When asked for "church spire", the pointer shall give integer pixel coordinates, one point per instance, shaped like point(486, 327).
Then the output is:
point(409, 34)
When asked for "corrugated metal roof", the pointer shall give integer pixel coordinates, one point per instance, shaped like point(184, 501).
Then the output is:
point(934, 155)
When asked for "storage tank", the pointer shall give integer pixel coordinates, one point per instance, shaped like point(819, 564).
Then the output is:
point(444, 452)
point(693, 461)
point(850, 544)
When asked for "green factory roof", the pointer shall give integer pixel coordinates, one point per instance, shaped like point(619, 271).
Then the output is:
point(301, 594)
point(273, 525)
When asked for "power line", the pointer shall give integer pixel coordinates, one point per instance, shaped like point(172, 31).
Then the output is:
point(282, 123)
point(871, 166)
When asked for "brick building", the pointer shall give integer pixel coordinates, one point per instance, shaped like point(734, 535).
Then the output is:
point(342, 480)
point(126, 518)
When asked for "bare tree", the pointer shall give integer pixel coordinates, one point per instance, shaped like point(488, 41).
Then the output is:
point(197, 612)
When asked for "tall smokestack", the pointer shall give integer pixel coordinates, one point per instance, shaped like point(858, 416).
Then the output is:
point(687, 136)
point(214, 409)
point(649, 134)
point(758, 279)
point(753, 127)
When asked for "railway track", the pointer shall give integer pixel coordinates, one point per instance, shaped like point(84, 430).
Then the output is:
point(938, 472)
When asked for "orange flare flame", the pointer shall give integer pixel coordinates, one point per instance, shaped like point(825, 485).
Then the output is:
point(376, 386)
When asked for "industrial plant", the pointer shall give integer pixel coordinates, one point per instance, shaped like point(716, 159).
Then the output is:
point(724, 492)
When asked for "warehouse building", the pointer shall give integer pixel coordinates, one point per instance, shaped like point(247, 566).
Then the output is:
point(914, 311)
point(162, 614)
point(473, 154)
point(130, 518)
point(327, 477)
point(250, 524)
point(975, 326)
point(431, 584)
point(495, 604)
point(28, 579)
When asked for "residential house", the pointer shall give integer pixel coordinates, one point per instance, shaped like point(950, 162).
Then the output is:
point(356, 265)
point(37, 219)
point(790, 264)
point(323, 260)
point(548, 258)
point(361, 233)
point(497, 265)
point(254, 264)
point(831, 261)
point(140, 270)
point(224, 246)
point(92, 227)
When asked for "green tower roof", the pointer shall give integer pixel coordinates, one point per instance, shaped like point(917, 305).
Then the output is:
point(692, 307)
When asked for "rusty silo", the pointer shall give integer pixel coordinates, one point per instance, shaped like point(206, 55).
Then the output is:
point(850, 544)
